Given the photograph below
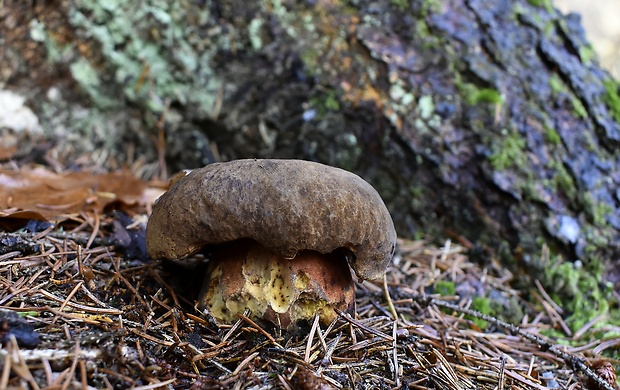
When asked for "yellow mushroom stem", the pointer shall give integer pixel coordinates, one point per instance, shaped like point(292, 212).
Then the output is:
point(285, 292)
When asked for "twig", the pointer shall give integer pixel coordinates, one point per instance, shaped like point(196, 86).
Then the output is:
point(328, 354)
point(546, 296)
point(388, 299)
point(570, 360)
point(245, 362)
point(160, 385)
point(80, 307)
point(376, 332)
point(395, 353)
point(261, 330)
point(6, 367)
point(315, 324)
point(150, 338)
point(95, 231)
point(73, 365)
point(502, 374)
point(71, 294)
point(78, 238)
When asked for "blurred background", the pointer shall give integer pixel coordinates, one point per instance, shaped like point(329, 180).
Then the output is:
point(600, 20)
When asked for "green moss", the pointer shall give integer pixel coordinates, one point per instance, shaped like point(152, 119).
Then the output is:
point(444, 288)
point(553, 334)
point(597, 212)
point(562, 180)
point(431, 6)
point(552, 136)
point(418, 196)
point(400, 4)
point(483, 305)
point(507, 309)
point(556, 83)
point(577, 290)
point(488, 95)
point(600, 212)
point(419, 235)
point(331, 102)
point(325, 101)
point(612, 99)
point(530, 190)
point(586, 54)
point(423, 33)
point(578, 108)
point(310, 57)
point(421, 29)
point(542, 4)
point(558, 86)
point(472, 95)
point(510, 152)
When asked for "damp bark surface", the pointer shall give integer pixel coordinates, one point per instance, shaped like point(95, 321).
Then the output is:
point(486, 121)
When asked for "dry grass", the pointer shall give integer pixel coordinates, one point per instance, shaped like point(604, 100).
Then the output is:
point(110, 322)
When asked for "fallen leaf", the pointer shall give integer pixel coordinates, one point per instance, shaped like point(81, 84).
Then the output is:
point(7, 152)
point(44, 193)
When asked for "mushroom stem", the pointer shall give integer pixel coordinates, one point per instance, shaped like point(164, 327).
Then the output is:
point(285, 292)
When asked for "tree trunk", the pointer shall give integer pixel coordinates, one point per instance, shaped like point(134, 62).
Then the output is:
point(488, 121)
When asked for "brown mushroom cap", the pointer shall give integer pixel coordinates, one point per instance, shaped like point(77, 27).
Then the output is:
point(286, 205)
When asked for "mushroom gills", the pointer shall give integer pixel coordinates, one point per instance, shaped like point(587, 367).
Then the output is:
point(285, 292)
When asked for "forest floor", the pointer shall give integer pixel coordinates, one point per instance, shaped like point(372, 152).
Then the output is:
point(82, 307)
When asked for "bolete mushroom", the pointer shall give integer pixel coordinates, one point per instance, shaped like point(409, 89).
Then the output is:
point(281, 232)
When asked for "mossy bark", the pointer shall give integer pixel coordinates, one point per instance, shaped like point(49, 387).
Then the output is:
point(489, 121)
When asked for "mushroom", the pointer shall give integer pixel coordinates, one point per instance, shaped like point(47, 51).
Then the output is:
point(280, 232)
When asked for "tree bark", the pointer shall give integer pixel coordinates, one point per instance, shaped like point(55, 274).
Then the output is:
point(487, 121)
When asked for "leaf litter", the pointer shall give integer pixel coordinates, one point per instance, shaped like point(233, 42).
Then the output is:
point(81, 307)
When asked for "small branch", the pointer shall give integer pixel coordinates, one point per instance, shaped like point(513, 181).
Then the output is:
point(25, 239)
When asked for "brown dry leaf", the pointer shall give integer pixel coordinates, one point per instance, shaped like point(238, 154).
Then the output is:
point(51, 194)
point(7, 152)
